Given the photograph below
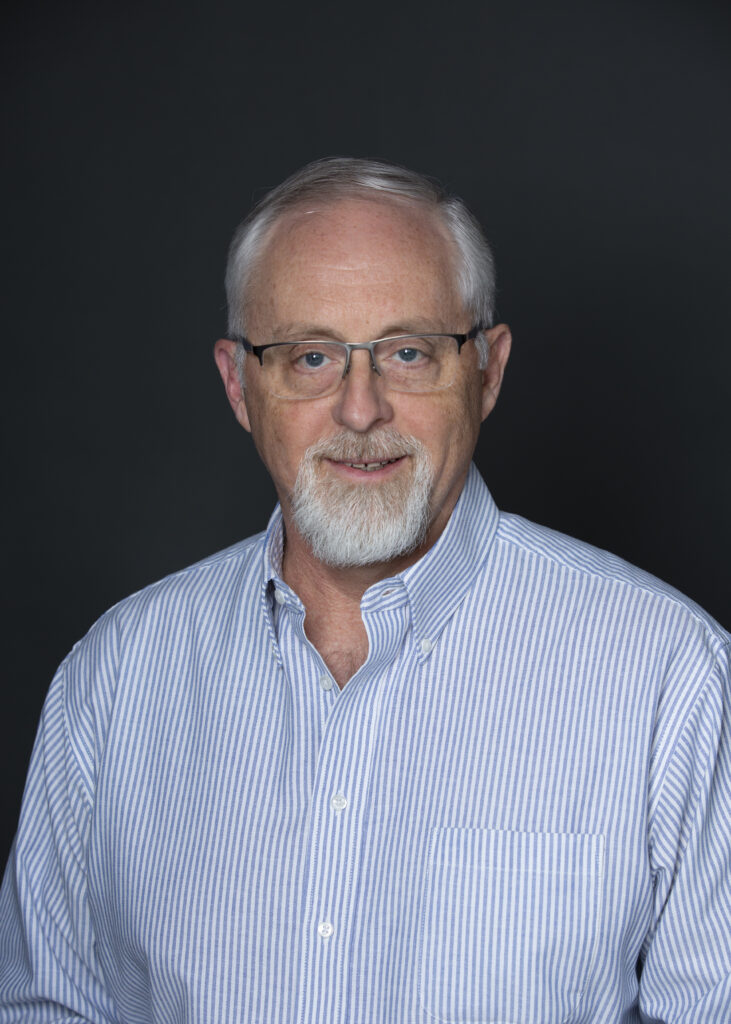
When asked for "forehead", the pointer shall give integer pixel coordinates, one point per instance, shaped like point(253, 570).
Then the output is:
point(358, 259)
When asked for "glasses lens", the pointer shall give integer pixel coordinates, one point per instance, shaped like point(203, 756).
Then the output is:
point(417, 362)
point(305, 370)
point(312, 369)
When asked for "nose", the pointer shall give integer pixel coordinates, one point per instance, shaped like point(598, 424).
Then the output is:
point(360, 401)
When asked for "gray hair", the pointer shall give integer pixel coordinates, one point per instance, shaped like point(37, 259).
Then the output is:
point(348, 178)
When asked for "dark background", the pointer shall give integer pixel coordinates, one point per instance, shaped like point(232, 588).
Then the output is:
point(591, 139)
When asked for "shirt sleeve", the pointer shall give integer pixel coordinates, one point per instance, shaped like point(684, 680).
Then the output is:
point(48, 967)
point(687, 969)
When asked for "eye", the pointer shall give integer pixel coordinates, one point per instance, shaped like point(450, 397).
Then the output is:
point(315, 358)
point(408, 355)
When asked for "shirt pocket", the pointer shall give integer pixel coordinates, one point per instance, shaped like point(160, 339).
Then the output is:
point(509, 925)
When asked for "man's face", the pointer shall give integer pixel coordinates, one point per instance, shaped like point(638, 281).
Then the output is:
point(354, 271)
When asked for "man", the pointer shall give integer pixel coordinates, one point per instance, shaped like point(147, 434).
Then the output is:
point(404, 758)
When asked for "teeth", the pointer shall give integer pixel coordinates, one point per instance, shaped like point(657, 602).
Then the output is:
point(369, 467)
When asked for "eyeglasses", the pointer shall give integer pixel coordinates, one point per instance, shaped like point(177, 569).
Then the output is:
point(414, 363)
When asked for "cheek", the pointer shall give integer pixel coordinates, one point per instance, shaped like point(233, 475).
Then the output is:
point(281, 435)
point(266, 433)
point(456, 422)
point(276, 446)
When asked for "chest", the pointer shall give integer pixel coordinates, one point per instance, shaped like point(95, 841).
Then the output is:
point(295, 845)
point(341, 641)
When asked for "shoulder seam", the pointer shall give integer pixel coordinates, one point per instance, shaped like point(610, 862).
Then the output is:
point(719, 639)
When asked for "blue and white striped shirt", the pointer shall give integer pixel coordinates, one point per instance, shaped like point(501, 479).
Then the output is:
point(523, 793)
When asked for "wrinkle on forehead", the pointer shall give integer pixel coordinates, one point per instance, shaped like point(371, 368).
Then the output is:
point(357, 252)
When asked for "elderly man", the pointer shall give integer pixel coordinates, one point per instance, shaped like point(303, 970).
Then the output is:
point(404, 758)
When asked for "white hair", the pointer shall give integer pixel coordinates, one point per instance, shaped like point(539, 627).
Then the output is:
point(347, 524)
point(349, 178)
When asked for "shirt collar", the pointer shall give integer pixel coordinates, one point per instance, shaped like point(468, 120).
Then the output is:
point(438, 582)
point(272, 566)
point(274, 546)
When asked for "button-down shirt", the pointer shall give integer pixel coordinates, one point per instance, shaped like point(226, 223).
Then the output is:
point(516, 810)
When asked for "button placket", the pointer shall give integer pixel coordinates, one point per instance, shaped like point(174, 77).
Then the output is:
point(344, 766)
point(336, 844)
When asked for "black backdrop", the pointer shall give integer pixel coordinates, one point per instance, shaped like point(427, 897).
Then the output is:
point(593, 142)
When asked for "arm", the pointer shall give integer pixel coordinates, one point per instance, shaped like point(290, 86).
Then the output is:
point(687, 964)
point(48, 966)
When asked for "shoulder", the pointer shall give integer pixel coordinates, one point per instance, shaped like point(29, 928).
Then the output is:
point(201, 586)
point(180, 610)
point(569, 564)
point(149, 647)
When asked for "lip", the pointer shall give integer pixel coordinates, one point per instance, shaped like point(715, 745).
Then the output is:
point(354, 471)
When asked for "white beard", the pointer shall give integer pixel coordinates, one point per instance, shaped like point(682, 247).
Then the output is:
point(349, 524)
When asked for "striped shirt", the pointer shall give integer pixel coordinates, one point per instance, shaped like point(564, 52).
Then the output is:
point(517, 810)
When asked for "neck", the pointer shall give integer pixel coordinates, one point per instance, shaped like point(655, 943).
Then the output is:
point(332, 597)
point(311, 579)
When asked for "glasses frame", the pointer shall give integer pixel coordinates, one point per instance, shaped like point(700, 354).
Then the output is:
point(350, 347)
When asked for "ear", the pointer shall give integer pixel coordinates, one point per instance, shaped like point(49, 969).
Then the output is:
point(224, 353)
point(499, 340)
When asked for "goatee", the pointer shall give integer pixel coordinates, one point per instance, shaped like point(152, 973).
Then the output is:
point(352, 524)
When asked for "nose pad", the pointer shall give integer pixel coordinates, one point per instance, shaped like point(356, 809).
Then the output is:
point(371, 353)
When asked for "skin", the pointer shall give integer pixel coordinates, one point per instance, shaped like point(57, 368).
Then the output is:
point(355, 270)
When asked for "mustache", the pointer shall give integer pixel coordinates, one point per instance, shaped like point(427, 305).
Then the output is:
point(379, 446)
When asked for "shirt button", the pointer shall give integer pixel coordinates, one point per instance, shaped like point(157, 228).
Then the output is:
point(325, 929)
point(279, 597)
point(427, 645)
point(326, 682)
point(339, 803)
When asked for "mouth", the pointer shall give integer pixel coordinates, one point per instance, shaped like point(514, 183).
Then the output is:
point(370, 466)
point(366, 465)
